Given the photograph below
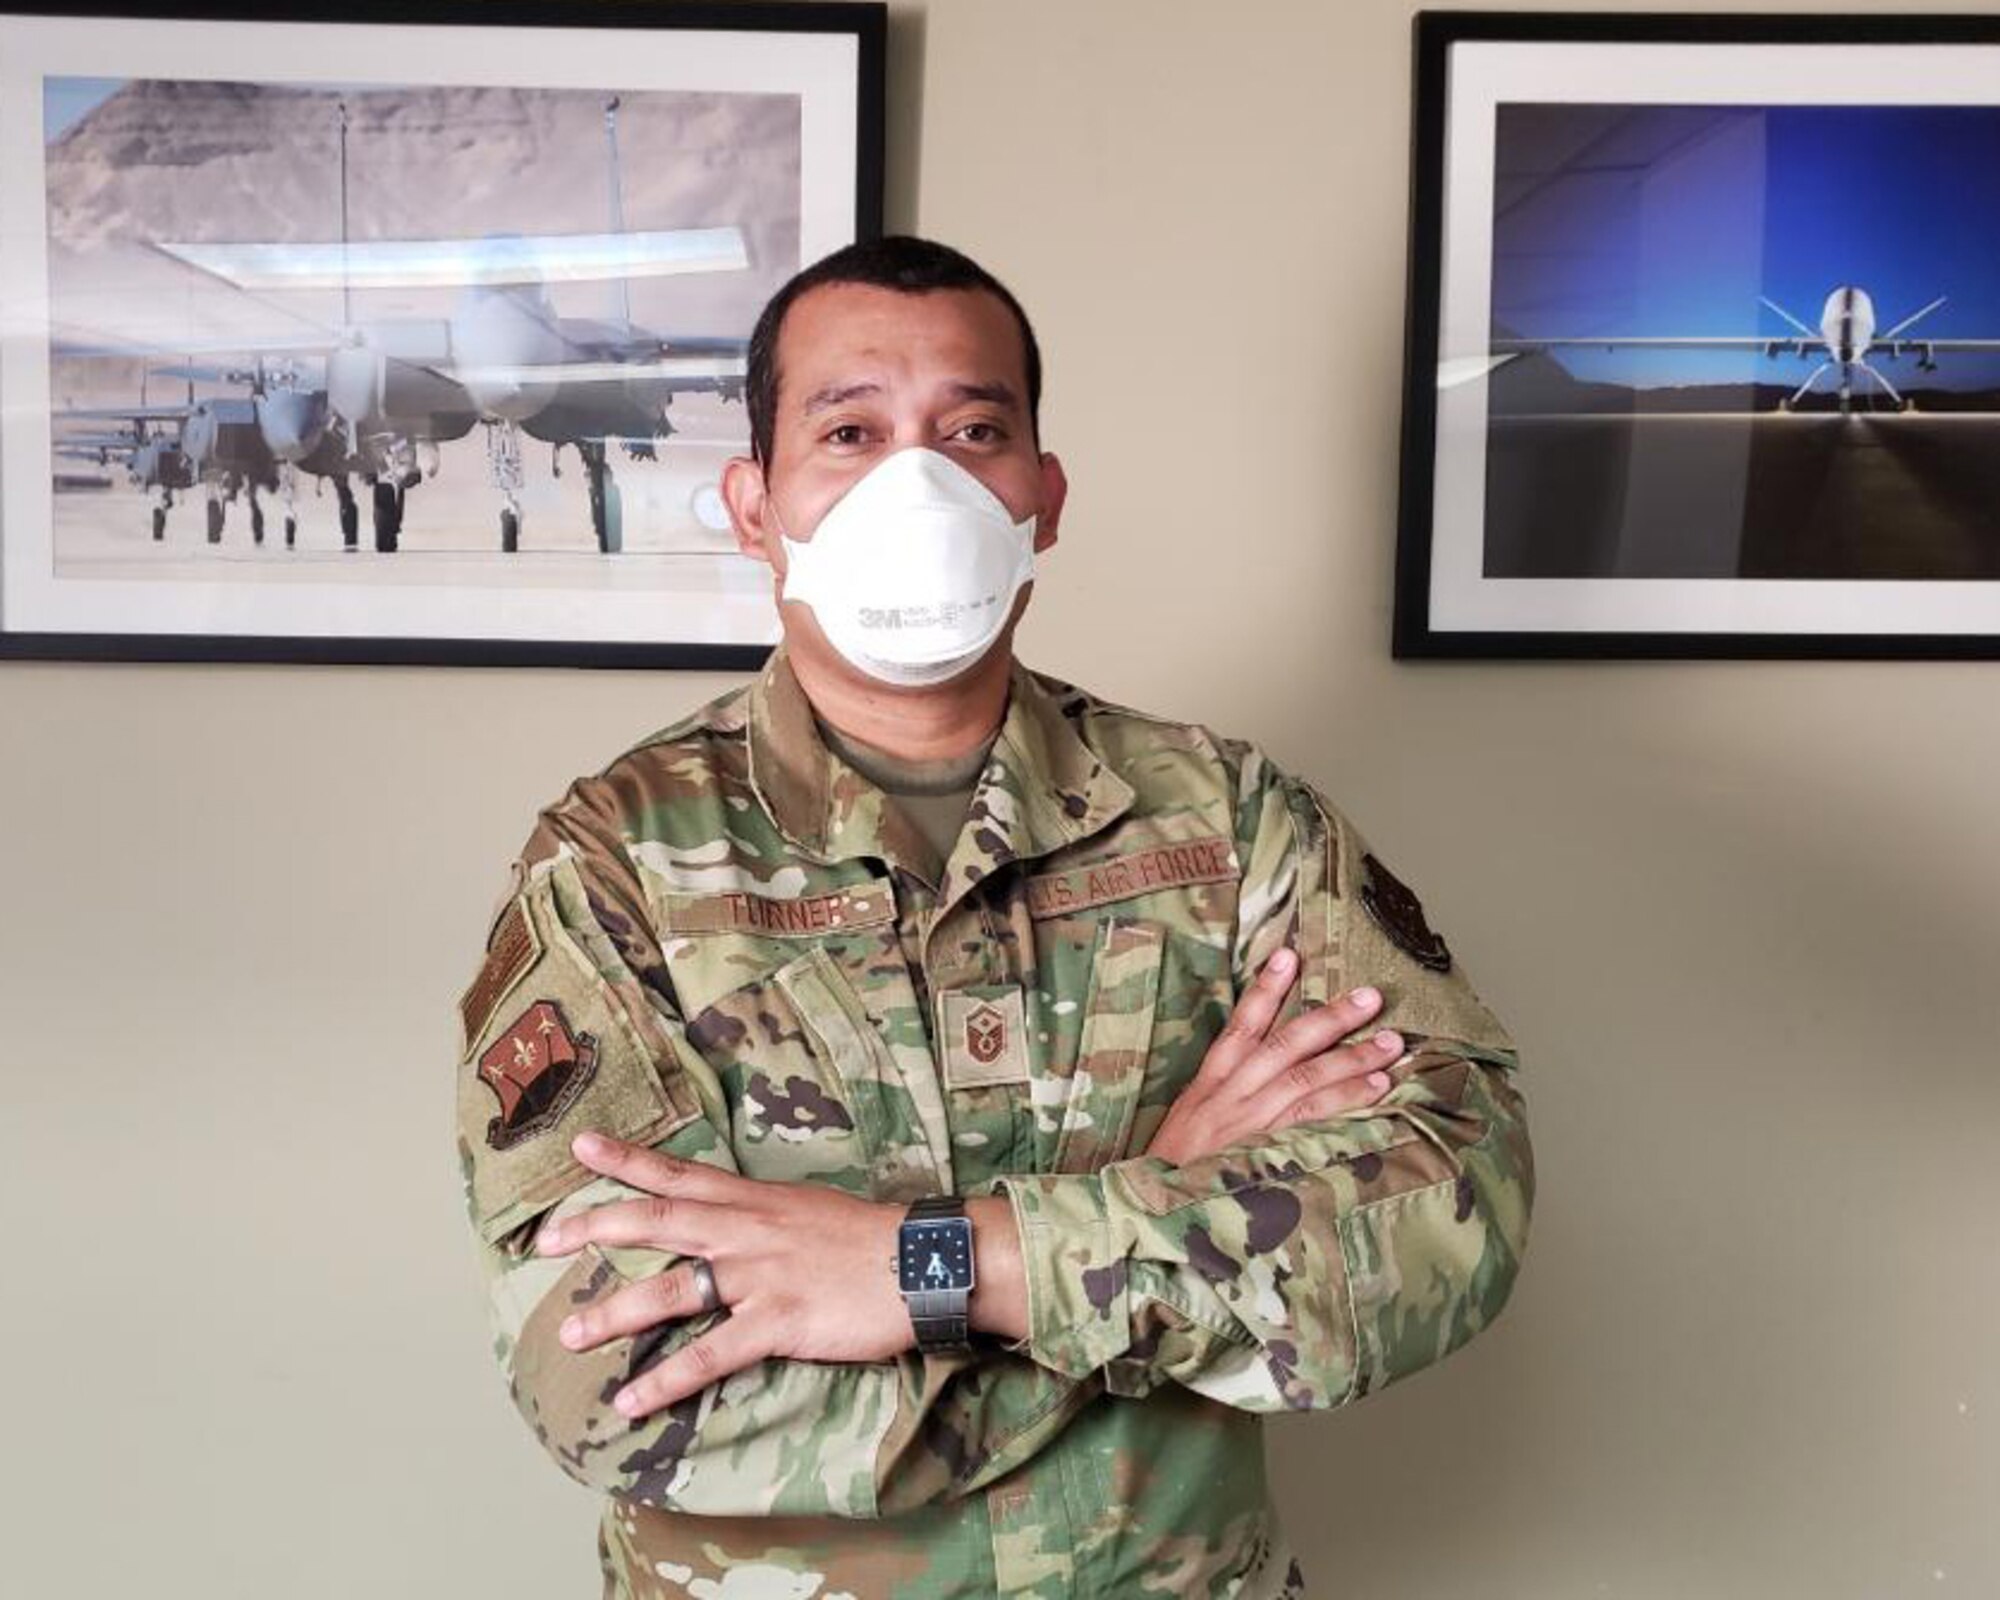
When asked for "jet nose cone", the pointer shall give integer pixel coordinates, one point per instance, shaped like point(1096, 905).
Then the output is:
point(292, 423)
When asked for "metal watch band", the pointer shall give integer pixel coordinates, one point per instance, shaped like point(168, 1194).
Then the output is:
point(939, 1316)
point(940, 1324)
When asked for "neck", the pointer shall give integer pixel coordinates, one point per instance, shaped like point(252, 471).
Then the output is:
point(938, 723)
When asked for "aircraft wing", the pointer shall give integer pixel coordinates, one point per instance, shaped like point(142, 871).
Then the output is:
point(454, 263)
point(1902, 342)
point(124, 413)
point(590, 340)
point(95, 450)
point(317, 344)
point(610, 352)
point(1616, 341)
point(94, 442)
point(678, 374)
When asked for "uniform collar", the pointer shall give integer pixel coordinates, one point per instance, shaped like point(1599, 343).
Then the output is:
point(1043, 787)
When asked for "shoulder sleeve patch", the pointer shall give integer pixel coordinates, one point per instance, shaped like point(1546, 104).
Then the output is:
point(1399, 914)
point(509, 955)
point(577, 1047)
point(1386, 940)
point(537, 1069)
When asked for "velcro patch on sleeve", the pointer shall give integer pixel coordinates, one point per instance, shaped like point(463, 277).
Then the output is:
point(1398, 913)
point(1163, 866)
point(807, 916)
point(538, 1069)
point(509, 954)
point(564, 1046)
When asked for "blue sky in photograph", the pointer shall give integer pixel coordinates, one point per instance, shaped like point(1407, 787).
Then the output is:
point(67, 101)
point(1664, 220)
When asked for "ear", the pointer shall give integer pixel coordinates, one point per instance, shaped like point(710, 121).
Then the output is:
point(1055, 490)
point(745, 494)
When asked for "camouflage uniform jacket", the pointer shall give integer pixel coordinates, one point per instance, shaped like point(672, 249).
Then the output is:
point(721, 946)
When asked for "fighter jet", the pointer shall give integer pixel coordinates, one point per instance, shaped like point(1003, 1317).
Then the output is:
point(1846, 334)
point(388, 439)
point(215, 443)
point(232, 446)
point(152, 460)
point(505, 357)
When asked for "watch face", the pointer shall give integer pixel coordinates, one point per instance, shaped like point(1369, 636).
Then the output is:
point(935, 1256)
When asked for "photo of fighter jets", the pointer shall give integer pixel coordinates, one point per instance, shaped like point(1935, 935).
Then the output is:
point(1655, 406)
point(422, 322)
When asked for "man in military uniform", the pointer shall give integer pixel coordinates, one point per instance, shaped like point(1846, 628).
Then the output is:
point(916, 1115)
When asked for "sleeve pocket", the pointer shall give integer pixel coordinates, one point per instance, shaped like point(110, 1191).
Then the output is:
point(554, 1046)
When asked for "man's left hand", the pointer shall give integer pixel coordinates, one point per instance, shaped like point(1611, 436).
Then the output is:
point(807, 1272)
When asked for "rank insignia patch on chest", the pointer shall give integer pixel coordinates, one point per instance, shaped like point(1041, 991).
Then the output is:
point(985, 1034)
point(536, 1069)
point(984, 1037)
point(1400, 915)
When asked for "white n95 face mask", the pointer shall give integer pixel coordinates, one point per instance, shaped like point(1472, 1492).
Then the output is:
point(912, 573)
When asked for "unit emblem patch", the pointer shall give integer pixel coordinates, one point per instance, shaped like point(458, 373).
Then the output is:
point(1400, 915)
point(536, 1069)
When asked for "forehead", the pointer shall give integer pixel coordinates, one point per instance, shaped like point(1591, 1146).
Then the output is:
point(849, 333)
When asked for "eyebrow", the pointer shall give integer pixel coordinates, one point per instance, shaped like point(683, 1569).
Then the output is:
point(838, 394)
point(998, 394)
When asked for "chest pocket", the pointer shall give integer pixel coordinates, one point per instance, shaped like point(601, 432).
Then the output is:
point(1114, 1048)
point(1133, 949)
point(815, 1091)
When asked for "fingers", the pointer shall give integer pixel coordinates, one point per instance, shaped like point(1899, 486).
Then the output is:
point(730, 1346)
point(675, 1183)
point(665, 1297)
point(1255, 1011)
point(656, 1222)
point(1329, 1084)
point(652, 1170)
point(1310, 1033)
point(1336, 1100)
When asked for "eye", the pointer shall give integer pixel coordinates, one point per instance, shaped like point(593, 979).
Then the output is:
point(846, 435)
point(980, 431)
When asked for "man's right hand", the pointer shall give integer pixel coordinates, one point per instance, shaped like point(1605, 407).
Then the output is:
point(1256, 1079)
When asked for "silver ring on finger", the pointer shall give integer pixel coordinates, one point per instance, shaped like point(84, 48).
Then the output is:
point(704, 1284)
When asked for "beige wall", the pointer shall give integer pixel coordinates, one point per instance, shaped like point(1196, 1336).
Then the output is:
point(1743, 918)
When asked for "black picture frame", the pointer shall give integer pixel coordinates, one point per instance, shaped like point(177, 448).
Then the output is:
point(1513, 539)
point(788, 102)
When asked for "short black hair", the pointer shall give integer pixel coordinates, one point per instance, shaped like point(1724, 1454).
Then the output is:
point(900, 262)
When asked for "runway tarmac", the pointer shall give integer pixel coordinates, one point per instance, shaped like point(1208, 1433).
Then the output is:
point(696, 583)
point(1772, 495)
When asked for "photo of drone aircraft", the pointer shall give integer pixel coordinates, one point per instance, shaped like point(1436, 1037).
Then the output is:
point(1656, 405)
point(403, 365)
point(1845, 340)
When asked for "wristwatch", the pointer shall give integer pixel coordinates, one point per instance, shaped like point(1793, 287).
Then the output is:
point(934, 1270)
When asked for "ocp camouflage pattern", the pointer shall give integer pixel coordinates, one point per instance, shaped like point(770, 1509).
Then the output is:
point(744, 929)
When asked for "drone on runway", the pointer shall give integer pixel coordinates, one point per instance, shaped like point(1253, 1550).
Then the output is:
point(1846, 338)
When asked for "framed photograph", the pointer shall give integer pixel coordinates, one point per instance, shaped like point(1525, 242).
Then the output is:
point(407, 332)
point(1703, 349)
